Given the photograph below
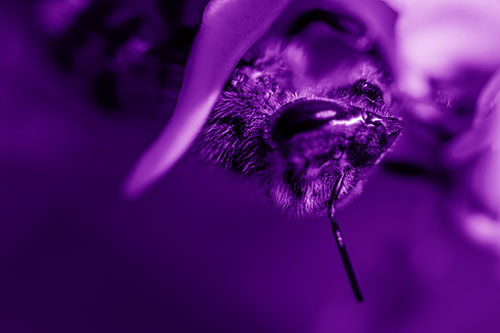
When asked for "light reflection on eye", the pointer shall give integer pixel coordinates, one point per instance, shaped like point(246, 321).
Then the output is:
point(325, 114)
point(352, 121)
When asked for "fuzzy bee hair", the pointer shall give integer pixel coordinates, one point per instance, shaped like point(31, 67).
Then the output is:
point(297, 177)
point(139, 68)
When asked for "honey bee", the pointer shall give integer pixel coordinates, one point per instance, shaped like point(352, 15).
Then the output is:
point(308, 118)
point(307, 114)
point(299, 109)
point(296, 131)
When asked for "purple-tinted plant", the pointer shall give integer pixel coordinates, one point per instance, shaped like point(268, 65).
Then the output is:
point(295, 95)
point(255, 60)
point(449, 54)
point(306, 98)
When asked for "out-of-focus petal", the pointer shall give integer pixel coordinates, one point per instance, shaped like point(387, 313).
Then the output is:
point(451, 42)
point(437, 38)
point(227, 31)
point(484, 229)
point(485, 130)
point(482, 144)
point(485, 182)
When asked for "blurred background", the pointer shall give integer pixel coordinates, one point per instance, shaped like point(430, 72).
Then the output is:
point(200, 252)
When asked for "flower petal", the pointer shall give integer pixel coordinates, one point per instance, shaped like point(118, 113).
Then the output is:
point(228, 30)
point(438, 37)
point(485, 130)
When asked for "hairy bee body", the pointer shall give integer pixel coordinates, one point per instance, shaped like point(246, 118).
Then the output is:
point(296, 142)
point(295, 114)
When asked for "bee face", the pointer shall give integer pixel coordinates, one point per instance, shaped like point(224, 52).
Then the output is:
point(296, 128)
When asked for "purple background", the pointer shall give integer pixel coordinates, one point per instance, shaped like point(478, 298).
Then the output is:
point(200, 252)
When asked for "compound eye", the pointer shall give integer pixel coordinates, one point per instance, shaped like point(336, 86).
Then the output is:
point(368, 90)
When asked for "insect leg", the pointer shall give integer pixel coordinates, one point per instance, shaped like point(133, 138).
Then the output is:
point(339, 239)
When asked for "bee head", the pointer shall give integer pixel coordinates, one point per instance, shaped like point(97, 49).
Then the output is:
point(299, 111)
point(327, 130)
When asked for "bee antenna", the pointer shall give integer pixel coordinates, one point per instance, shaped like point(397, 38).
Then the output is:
point(339, 239)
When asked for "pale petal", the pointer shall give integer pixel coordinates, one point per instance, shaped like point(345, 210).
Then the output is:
point(485, 131)
point(227, 31)
point(437, 38)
